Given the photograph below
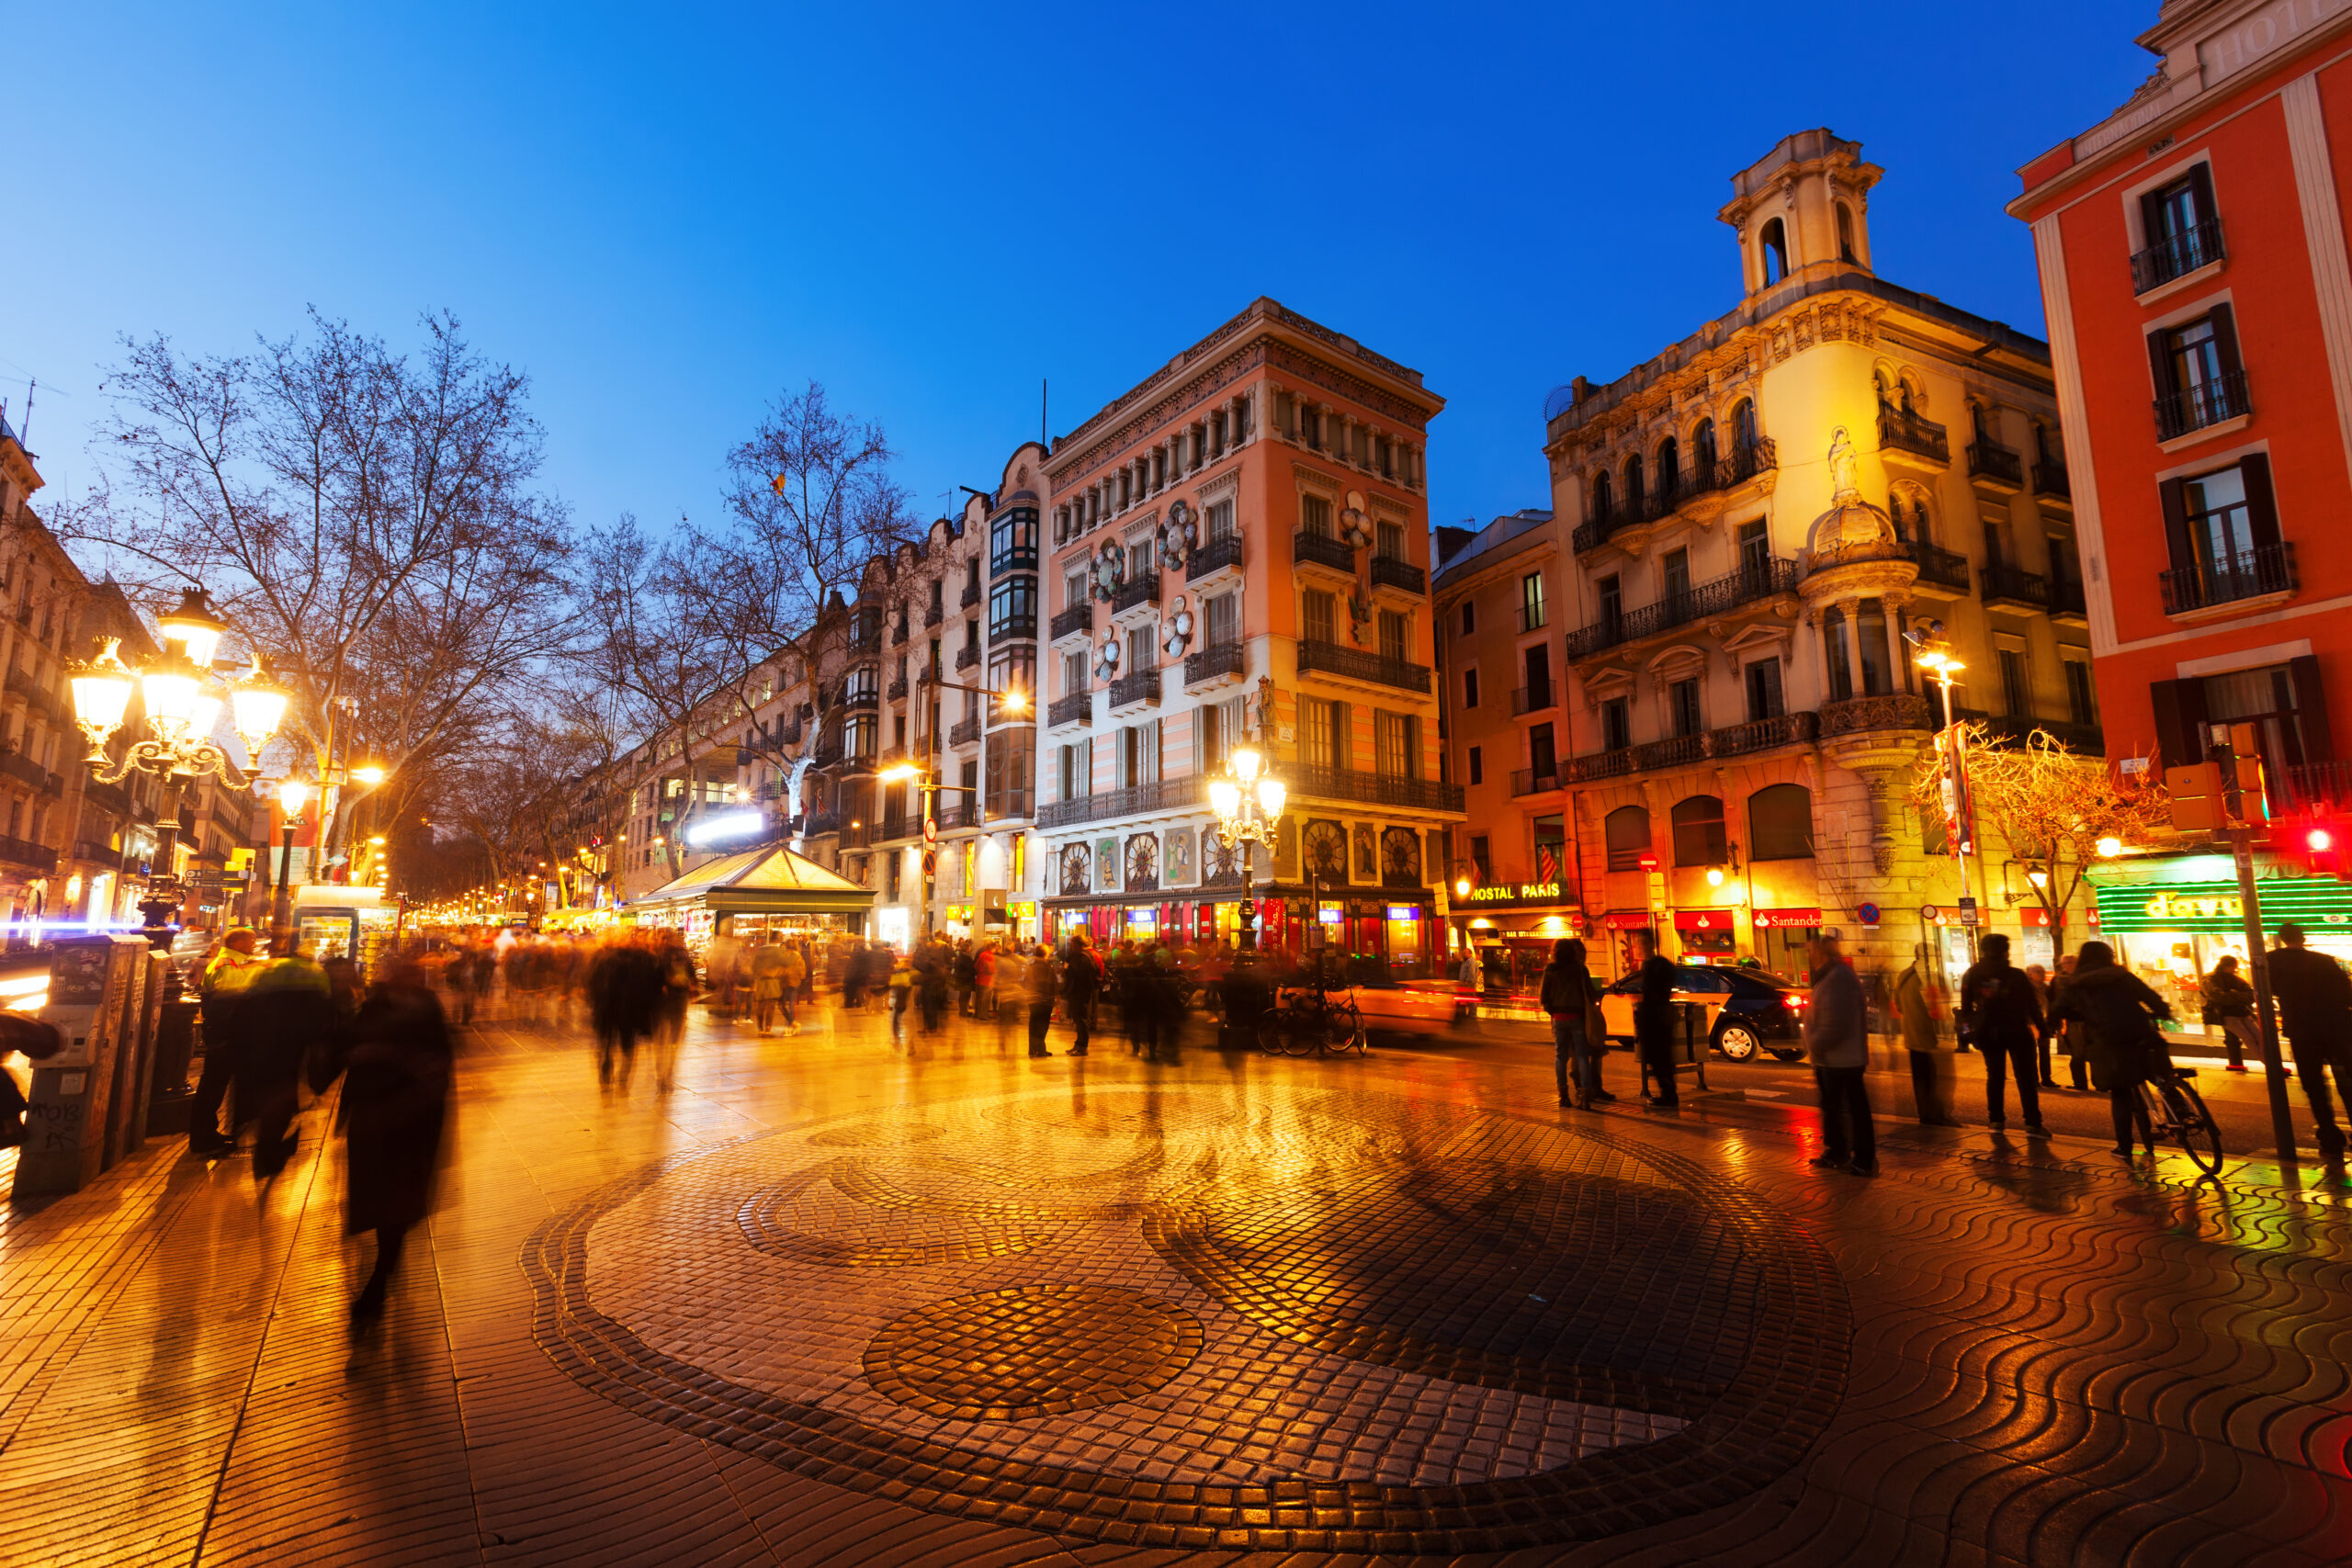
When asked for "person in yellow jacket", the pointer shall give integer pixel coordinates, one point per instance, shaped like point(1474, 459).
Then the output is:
point(222, 988)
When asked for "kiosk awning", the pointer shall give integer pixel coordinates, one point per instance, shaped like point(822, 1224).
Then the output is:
point(772, 881)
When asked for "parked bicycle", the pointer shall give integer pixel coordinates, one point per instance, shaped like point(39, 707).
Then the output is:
point(1310, 1020)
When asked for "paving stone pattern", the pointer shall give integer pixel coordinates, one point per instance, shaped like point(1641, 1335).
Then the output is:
point(830, 1303)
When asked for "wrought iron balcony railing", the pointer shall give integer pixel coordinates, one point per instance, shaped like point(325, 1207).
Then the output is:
point(1909, 433)
point(1353, 664)
point(2208, 403)
point(2265, 569)
point(2176, 255)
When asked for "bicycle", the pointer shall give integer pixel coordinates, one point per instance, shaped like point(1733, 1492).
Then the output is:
point(1310, 1020)
point(2170, 1104)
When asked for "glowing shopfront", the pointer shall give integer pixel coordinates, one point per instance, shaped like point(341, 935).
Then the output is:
point(2172, 933)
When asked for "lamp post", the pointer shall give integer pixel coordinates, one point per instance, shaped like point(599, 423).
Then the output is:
point(1015, 701)
point(1248, 805)
point(182, 700)
point(291, 793)
point(1933, 654)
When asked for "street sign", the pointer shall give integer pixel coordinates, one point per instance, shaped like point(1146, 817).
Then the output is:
point(1868, 914)
point(930, 829)
point(1931, 912)
point(1968, 911)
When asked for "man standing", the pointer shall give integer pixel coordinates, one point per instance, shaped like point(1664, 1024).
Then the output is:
point(1040, 986)
point(2315, 1009)
point(1081, 984)
point(1836, 1042)
point(1653, 1023)
point(2004, 1020)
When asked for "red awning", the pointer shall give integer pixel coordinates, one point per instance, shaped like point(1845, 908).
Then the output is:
point(1802, 919)
point(1626, 920)
point(1705, 919)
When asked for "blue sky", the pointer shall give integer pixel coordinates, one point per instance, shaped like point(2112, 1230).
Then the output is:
point(667, 215)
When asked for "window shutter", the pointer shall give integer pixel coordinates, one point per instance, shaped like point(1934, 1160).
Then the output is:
point(2180, 721)
point(2152, 219)
point(2200, 186)
point(2225, 339)
point(2160, 365)
point(2261, 506)
point(2310, 709)
point(2175, 509)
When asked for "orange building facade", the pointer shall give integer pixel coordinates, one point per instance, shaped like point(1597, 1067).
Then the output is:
point(1237, 550)
point(2194, 268)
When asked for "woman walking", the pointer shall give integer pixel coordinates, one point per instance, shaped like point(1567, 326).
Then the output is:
point(395, 1102)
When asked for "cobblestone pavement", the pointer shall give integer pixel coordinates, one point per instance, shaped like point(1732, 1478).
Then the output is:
point(830, 1301)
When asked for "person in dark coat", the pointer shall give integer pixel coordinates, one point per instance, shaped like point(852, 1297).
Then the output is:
point(2229, 1001)
point(624, 993)
point(1836, 1039)
point(288, 1014)
point(1081, 985)
point(2315, 1010)
point(933, 964)
point(1040, 982)
point(1653, 1022)
point(1569, 996)
point(395, 1103)
point(2117, 1011)
point(2004, 1019)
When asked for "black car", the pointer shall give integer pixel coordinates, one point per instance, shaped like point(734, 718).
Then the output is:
point(1752, 1011)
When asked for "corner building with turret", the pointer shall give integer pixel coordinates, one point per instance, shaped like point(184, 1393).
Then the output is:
point(1683, 700)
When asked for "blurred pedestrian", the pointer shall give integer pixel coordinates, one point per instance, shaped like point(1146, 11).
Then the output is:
point(284, 1016)
point(676, 991)
point(1837, 1041)
point(624, 985)
point(395, 1102)
point(1041, 981)
point(2229, 1001)
point(2039, 979)
point(794, 975)
point(1653, 1022)
point(902, 990)
point(2004, 1020)
point(1081, 985)
point(2119, 1012)
point(1915, 1011)
point(767, 965)
point(2071, 1038)
point(2315, 1009)
point(1578, 1036)
point(221, 988)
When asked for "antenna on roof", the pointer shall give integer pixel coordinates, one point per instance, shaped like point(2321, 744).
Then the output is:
point(1559, 403)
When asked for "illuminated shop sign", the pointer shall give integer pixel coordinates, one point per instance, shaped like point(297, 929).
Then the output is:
point(2215, 907)
point(1513, 892)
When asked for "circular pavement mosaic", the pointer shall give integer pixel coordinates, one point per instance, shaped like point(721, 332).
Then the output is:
point(1216, 1315)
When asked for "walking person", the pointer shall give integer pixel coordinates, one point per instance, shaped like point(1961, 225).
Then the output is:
point(1838, 1046)
point(2315, 1010)
point(1081, 986)
point(286, 1015)
point(1653, 1023)
point(767, 965)
point(1568, 994)
point(2071, 1036)
point(2229, 1001)
point(902, 987)
point(794, 976)
point(2117, 1011)
point(220, 990)
point(984, 964)
point(1997, 1003)
point(1915, 1011)
point(395, 1103)
point(675, 990)
point(1040, 982)
point(2039, 979)
point(623, 984)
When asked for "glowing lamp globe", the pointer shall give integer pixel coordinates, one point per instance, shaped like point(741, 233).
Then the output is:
point(102, 689)
point(169, 687)
point(192, 628)
point(1271, 793)
point(1247, 760)
point(1225, 798)
point(257, 706)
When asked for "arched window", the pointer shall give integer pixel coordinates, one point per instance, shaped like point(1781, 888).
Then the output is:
point(1775, 241)
point(1634, 485)
point(1670, 469)
point(1742, 426)
point(1702, 453)
point(1780, 823)
point(1902, 396)
point(1601, 499)
point(1885, 392)
point(1846, 234)
point(1699, 831)
point(1626, 830)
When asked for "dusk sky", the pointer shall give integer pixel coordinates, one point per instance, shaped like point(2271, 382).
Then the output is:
point(668, 215)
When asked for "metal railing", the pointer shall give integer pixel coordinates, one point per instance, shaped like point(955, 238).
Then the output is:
point(1076, 618)
point(1947, 569)
point(967, 655)
point(1219, 659)
point(1137, 686)
point(1987, 460)
point(2049, 479)
point(25, 853)
point(970, 596)
point(1674, 751)
point(1215, 555)
point(2207, 403)
point(818, 823)
point(1075, 708)
point(1387, 572)
point(2176, 255)
point(1763, 579)
point(1143, 590)
point(1533, 617)
point(2005, 584)
point(1164, 796)
point(1596, 765)
point(2066, 597)
point(962, 814)
point(1896, 710)
point(1686, 484)
point(2303, 785)
point(1320, 551)
point(1534, 780)
point(1909, 433)
point(1534, 699)
point(2266, 569)
point(1353, 664)
point(964, 731)
point(898, 689)
point(1319, 782)
point(933, 614)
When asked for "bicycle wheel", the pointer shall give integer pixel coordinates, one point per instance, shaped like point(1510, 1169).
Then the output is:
point(2192, 1124)
point(1273, 1026)
point(1342, 1028)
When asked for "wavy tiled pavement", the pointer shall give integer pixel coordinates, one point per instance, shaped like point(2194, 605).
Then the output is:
point(2048, 1358)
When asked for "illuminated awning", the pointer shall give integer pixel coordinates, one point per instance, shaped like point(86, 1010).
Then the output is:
point(772, 881)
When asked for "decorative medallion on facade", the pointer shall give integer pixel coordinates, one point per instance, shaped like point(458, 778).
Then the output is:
point(1176, 632)
point(1109, 568)
point(1106, 658)
point(1178, 535)
point(1355, 523)
point(1077, 877)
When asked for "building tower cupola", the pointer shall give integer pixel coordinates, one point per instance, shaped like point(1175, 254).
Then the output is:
point(1803, 210)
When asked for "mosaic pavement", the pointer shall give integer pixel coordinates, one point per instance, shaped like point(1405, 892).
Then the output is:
point(834, 1303)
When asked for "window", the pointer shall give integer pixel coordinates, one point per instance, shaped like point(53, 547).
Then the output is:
point(1780, 823)
point(1536, 696)
point(1141, 559)
point(1702, 454)
point(1833, 643)
point(1220, 521)
point(1543, 756)
point(1317, 618)
point(1682, 707)
point(1072, 766)
point(1626, 832)
point(1326, 732)
point(1846, 234)
point(1632, 479)
point(1013, 608)
point(1395, 636)
point(1744, 434)
point(1762, 679)
point(1223, 618)
point(936, 601)
point(1670, 469)
point(1142, 654)
point(1754, 550)
point(2199, 379)
point(1482, 856)
point(1013, 541)
point(1396, 744)
point(1315, 516)
point(1138, 754)
point(1390, 543)
point(2016, 691)
point(862, 736)
point(1073, 673)
point(1551, 849)
point(1011, 670)
point(862, 681)
point(2223, 533)
point(1221, 728)
point(1477, 765)
point(1469, 618)
point(1698, 837)
point(2080, 705)
point(1675, 573)
point(1074, 591)
point(1604, 502)
point(1469, 688)
point(1870, 626)
point(1775, 242)
point(2181, 229)
point(1611, 592)
point(1531, 602)
point(1616, 725)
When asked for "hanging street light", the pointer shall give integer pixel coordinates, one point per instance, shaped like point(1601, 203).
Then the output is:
point(1249, 802)
point(182, 701)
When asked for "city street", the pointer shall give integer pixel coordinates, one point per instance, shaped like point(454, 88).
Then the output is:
point(832, 1301)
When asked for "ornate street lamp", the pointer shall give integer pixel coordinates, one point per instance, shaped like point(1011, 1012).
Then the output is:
point(182, 699)
point(1248, 805)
